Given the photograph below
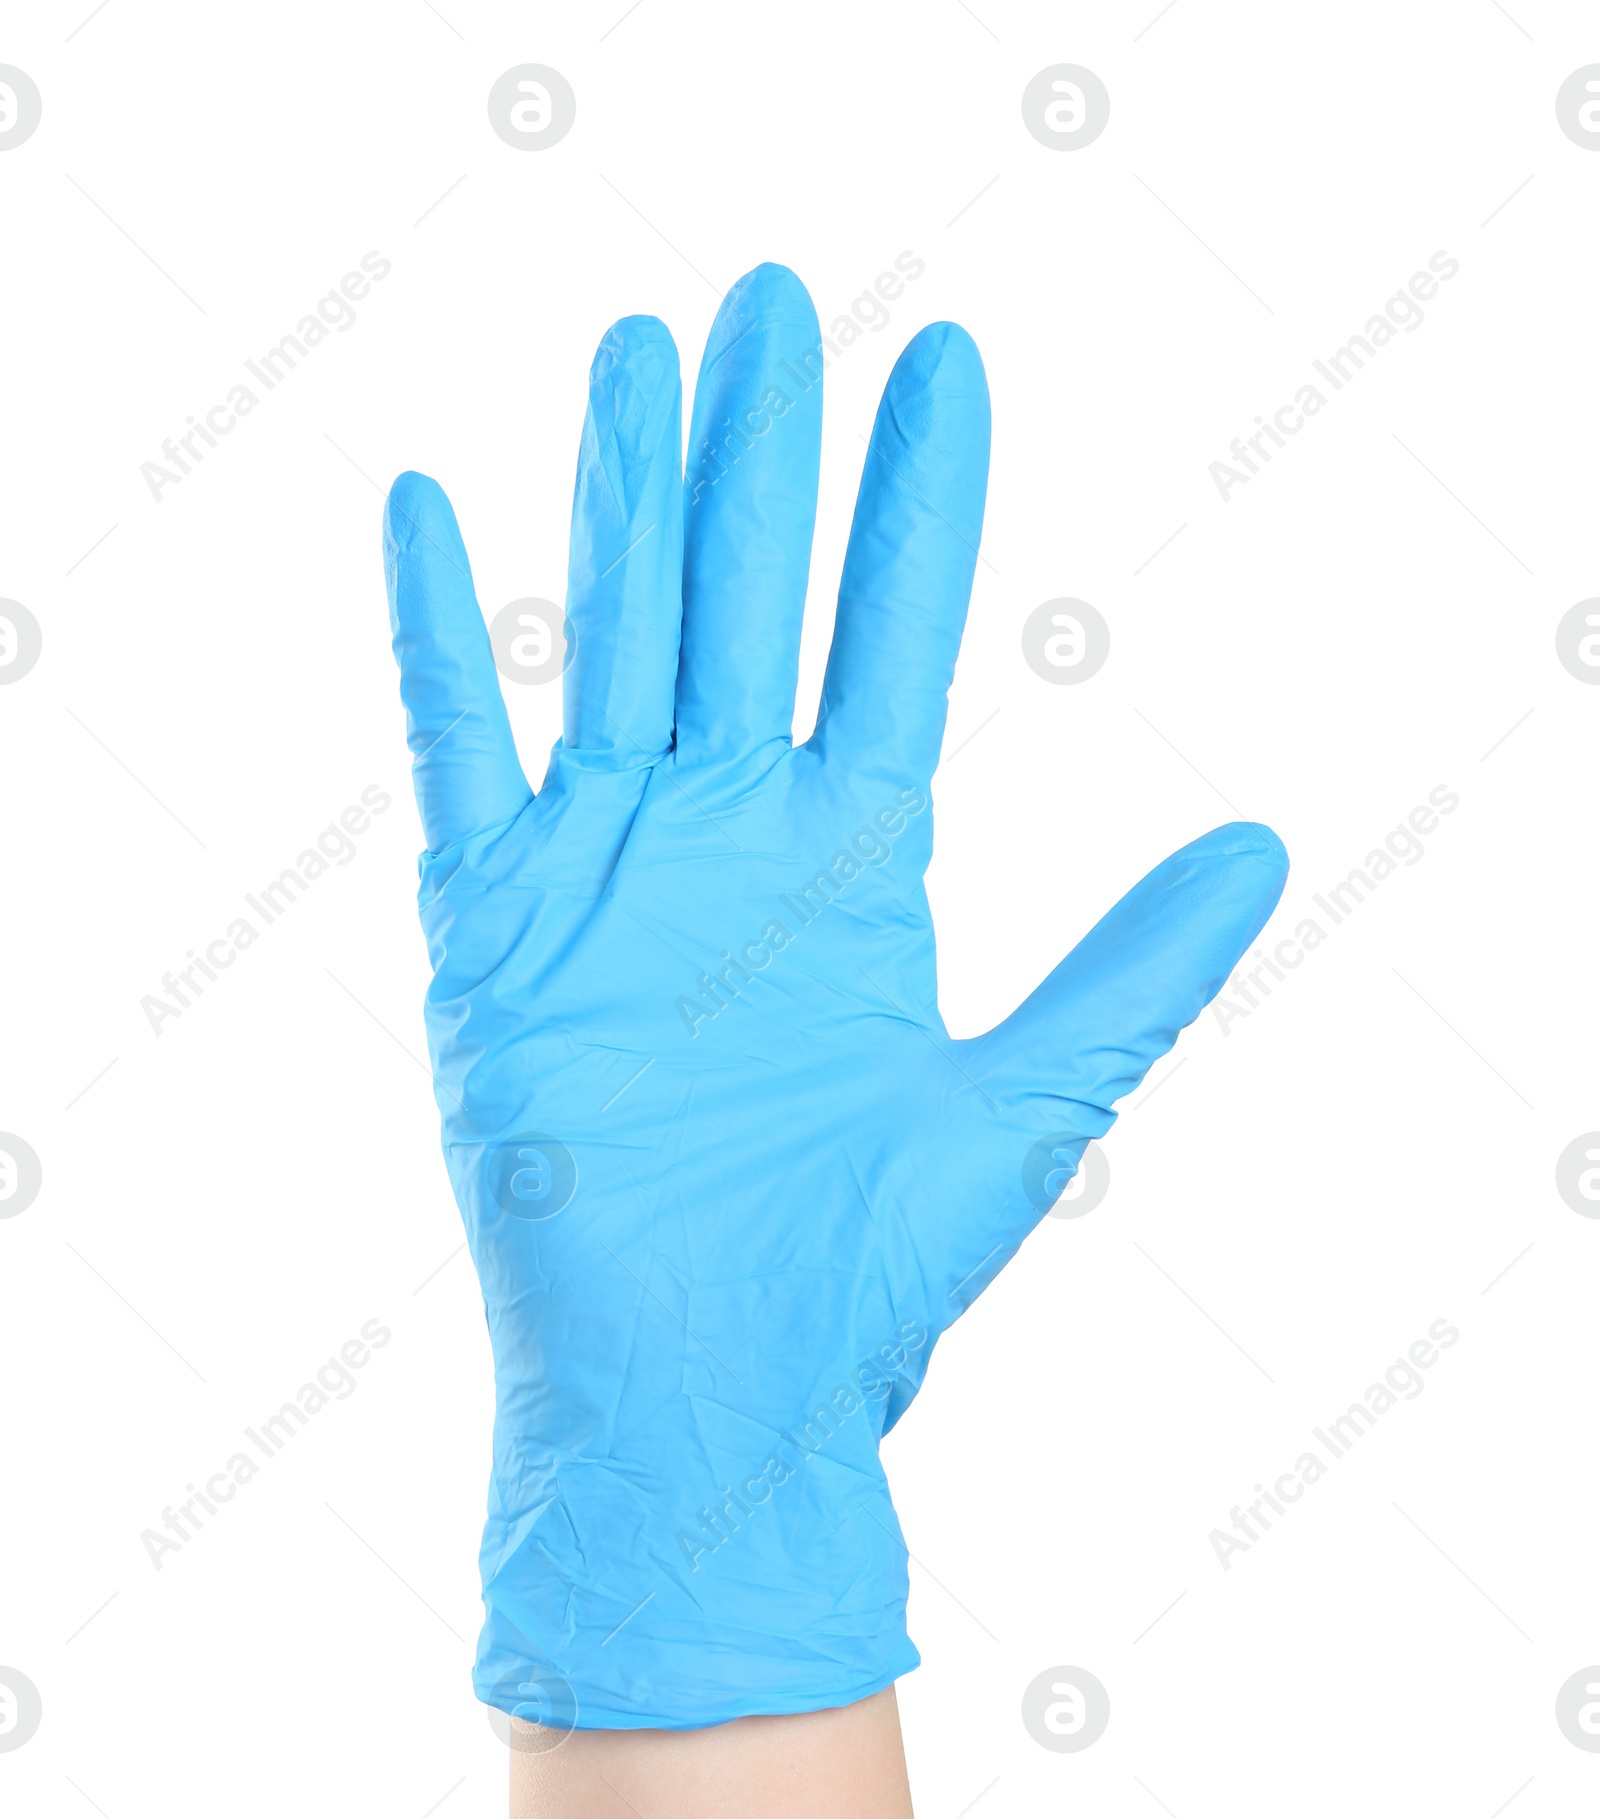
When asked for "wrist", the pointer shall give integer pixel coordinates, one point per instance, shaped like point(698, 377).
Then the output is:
point(843, 1763)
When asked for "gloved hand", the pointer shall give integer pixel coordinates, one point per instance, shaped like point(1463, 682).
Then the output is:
point(725, 1177)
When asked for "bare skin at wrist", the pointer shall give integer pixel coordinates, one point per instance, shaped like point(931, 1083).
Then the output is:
point(848, 1763)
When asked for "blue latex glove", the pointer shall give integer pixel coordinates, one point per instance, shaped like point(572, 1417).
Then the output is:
point(725, 1177)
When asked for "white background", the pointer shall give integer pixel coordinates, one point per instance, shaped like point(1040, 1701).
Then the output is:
point(1311, 1191)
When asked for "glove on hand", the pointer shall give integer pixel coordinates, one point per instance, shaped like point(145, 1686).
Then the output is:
point(725, 1177)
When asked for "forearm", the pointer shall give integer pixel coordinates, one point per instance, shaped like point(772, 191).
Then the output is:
point(843, 1764)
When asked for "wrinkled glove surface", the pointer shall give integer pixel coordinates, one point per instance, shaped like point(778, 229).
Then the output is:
point(725, 1177)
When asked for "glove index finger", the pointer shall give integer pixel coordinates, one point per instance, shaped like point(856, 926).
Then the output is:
point(909, 565)
point(464, 763)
